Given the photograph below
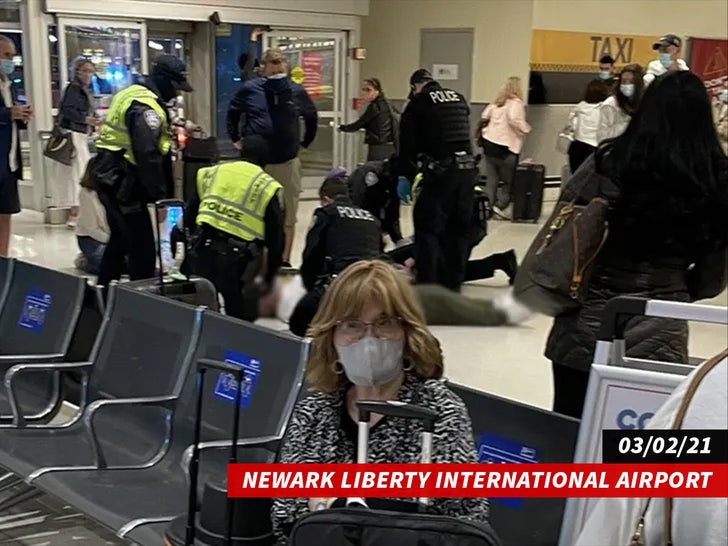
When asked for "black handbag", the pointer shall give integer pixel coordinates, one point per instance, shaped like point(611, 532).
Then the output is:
point(60, 146)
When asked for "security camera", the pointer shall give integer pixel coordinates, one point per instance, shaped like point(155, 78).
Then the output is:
point(214, 18)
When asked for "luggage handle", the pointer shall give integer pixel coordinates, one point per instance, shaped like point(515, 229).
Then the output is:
point(203, 365)
point(618, 309)
point(392, 408)
point(159, 205)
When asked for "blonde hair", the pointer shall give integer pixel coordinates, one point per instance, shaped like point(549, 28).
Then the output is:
point(362, 283)
point(511, 89)
point(276, 57)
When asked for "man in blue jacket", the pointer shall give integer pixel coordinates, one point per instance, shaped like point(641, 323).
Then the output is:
point(271, 107)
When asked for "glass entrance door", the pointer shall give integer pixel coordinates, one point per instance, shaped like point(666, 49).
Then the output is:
point(117, 48)
point(316, 61)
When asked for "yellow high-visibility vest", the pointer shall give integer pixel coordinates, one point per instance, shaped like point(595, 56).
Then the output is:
point(233, 198)
point(114, 134)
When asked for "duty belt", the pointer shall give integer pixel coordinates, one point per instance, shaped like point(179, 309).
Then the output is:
point(229, 245)
point(460, 160)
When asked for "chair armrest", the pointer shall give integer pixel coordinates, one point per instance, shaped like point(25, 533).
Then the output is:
point(32, 358)
point(220, 444)
point(166, 402)
point(18, 419)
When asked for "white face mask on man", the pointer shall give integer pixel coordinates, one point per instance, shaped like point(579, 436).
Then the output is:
point(371, 361)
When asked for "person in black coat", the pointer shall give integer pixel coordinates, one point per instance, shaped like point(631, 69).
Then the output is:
point(667, 232)
point(378, 120)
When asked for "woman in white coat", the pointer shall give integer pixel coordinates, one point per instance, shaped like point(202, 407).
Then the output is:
point(76, 115)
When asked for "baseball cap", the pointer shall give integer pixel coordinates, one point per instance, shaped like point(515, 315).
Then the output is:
point(667, 40)
point(173, 68)
point(420, 75)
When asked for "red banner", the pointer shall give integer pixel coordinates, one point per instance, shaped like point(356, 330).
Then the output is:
point(709, 60)
point(478, 480)
point(312, 63)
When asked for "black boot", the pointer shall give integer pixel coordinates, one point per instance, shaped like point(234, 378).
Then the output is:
point(508, 263)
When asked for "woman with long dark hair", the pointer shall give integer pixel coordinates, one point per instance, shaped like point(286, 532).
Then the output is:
point(584, 121)
point(378, 120)
point(667, 231)
point(617, 109)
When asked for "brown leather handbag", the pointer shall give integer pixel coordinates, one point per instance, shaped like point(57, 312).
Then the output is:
point(554, 275)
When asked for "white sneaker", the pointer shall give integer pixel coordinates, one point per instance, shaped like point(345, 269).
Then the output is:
point(501, 214)
point(515, 311)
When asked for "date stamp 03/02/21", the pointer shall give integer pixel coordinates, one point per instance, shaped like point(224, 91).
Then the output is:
point(665, 446)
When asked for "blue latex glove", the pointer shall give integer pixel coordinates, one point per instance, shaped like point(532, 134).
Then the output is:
point(404, 189)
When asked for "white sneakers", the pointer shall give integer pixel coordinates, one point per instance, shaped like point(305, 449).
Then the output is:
point(515, 311)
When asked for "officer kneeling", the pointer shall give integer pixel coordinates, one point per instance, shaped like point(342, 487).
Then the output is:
point(435, 140)
point(340, 235)
point(237, 211)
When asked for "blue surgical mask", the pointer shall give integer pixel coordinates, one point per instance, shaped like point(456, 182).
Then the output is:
point(7, 66)
point(665, 59)
point(627, 89)
point(604, 75)
point(724, 95)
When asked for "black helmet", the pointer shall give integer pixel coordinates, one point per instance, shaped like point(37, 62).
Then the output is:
point(172, 69)
point(420, 75)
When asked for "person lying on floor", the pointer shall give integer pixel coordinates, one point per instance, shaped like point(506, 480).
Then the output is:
point(442, 307)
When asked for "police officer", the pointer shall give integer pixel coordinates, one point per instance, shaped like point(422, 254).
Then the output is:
point(373, 187)
point(340, 235)
point(133, 167)
point(237, 211)
point(435, 140)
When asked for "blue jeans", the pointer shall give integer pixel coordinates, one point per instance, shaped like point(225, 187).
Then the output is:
point(93, 251)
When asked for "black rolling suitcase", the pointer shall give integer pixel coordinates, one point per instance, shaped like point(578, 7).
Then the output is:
point(200, 151)
point(527, 192)
point(220, 520)
point(192, 290)
point(358, 525)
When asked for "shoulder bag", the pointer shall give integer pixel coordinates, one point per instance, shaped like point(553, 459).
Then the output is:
point(638, 537)
point(60, 144)
point(554, 275)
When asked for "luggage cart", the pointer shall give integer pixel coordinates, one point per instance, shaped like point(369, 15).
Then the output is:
point(613, 373)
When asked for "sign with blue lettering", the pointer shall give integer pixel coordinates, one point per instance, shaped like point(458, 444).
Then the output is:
point(498, 450)
point(35, 310)
point(227, 384)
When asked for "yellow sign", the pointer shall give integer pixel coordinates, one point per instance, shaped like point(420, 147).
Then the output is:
point(562, 51)
point(297, 75)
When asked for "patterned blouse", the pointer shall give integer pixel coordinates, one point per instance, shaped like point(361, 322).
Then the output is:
point(320, 431)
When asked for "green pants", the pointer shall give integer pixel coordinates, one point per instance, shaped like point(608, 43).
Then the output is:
point(444, 307)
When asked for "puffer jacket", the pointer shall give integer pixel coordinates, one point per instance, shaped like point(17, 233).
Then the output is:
point(376, 121)
point(658, 275)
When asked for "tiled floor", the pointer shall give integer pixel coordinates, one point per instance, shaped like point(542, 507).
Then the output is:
point(504, 361)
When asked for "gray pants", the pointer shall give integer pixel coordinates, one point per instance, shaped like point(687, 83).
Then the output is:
point(444, 307)
point(500, 174)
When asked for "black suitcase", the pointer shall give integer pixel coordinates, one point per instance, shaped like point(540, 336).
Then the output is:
point(192, 290)
point(527, 192)
point(355, 525)
point(219, 520)
point(200, 151)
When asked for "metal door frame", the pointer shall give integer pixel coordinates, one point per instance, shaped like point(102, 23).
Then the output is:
point(131, 24)
point(338, 115)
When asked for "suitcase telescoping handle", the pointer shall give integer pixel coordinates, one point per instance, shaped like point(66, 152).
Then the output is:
point(402, 410)
point(619, 310)
point(203, 365)
point(159, 205)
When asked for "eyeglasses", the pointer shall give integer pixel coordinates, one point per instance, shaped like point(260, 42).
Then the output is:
point(383, 328)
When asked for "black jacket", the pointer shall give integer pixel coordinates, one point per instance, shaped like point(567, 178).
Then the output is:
point(151, 178)
point(341, 234)
point(376, 120)
point(650, 267)
point(75, 107)
point(436, 122)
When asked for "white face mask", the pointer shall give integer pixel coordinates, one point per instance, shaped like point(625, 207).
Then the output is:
point(627, 89)
point(371, 361)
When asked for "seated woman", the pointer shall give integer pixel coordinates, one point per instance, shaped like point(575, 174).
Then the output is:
point(370, 342)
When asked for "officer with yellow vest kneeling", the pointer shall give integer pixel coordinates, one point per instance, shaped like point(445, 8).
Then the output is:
point(237, 212)
point(133, 167)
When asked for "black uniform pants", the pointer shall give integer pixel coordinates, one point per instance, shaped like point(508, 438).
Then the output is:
point(442, 216)
point(131, 242)
point(227, 272)
point(570, 387)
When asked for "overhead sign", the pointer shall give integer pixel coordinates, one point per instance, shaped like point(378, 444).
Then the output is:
point(563, 51)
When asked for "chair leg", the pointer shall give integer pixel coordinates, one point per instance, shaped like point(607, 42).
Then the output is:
point(8, 481)
point(22, 496)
